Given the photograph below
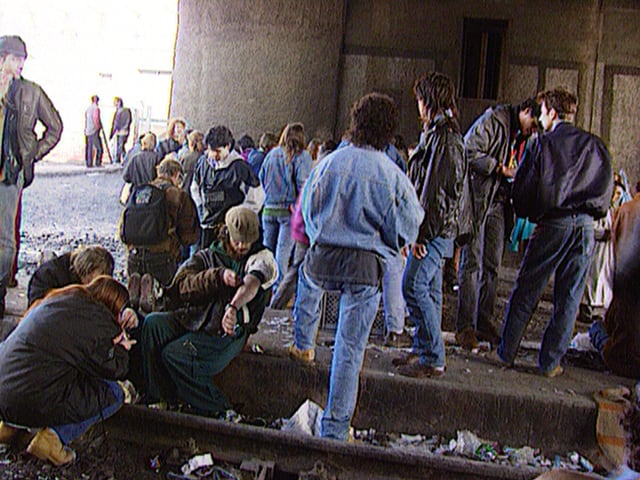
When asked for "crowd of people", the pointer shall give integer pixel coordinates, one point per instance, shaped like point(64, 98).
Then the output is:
point(216, 230)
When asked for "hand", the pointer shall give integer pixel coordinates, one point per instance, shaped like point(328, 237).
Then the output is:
point(418, 250)
point(508, 172)
point(124, 341)
point(230, 278)
point(229, 320)
point(128, 318)
point(404, 251)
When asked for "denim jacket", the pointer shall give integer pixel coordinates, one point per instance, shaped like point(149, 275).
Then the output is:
point(277, 177)
point(356, 198)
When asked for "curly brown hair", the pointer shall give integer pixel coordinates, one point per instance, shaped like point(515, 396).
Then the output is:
point(374, 120)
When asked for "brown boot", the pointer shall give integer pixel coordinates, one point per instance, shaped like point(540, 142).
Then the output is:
point(467, 338)
point(46, 445)
point(303, 356)
point(7, 433)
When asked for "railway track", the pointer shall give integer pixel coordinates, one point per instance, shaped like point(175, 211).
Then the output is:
point(291, 453)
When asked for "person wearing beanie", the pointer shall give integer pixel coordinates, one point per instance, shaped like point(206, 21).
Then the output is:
point(214, 303)
point(23, 104)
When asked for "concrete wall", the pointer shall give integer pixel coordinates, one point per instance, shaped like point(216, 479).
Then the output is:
point(256, 66)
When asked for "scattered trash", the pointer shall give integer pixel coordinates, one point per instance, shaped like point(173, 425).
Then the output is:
point(306, 420)
point(466, 444)
point(204, 460)
point(262, 470)
point(155, 463)
point(582, 343)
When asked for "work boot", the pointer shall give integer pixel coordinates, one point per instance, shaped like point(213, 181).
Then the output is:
point(408, 359)
point(398, 340)
point(46, 445)
point(554, 372)
point(467, 338)
point(418, 370)
point(134, 290)
point(304, 356)
point(7, 433)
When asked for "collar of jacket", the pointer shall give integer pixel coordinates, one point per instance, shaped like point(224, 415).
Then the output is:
point(437, 122)
point(225, 162)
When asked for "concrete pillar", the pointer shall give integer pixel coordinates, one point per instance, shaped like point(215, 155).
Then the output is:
point(256, 66)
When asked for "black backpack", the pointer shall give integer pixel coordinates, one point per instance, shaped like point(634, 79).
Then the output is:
point(145, 218)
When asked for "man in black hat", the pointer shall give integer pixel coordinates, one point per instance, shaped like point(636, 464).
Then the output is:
point(22, 105)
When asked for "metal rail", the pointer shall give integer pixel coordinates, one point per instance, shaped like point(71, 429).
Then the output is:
point(291, 453)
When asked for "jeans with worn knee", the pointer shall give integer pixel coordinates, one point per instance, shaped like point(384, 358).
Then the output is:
point(277, 238)
point(67, 433)
point(392, 299)
point(480, 262)
point(422, 288)
point(9, 197)
point(564, 247)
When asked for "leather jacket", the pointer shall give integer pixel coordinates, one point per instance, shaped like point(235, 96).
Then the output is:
point(439, 172)
point(27, 104)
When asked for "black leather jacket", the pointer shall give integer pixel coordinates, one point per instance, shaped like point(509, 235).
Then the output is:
point(27, 104)
point(569, 171)
point(439, 173)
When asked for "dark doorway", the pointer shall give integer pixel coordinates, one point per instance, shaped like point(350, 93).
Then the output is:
point(482, 46)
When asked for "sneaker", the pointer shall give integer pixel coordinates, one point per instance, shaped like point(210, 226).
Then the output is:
point(408, 359)
point(398, 340)
point(496, 359)
point(304, 356)
point(467, 339)
point(46, 445)
point(7, 433)
point(418, 370)
point(147, 297)
point(134, 290)
point(554, 372)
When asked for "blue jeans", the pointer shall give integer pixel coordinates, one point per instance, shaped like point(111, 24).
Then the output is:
point(480, 262)
point(392, 299)
point(70, 431)
point(9, 197)
point(289, 282)
point(277, 238)
point(564, 247)
point(306, 311)
point(422, 288)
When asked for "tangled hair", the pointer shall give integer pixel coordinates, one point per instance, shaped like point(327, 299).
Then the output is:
point(437, 92)
point(267, 141)
point(171, 126)
point(292, 140)
point(531, 103)
point(223, 236)
point(87, 262)
point(561, 100)
point(374, 119)
point(195, 141)
point(168, 167)
point(219, 136)
point(103, 289)
point(148, 141)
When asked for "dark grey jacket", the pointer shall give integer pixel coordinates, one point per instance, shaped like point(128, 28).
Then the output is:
point(53, 364)
point(439, 173)
point(569, 171)
point(487, 142)
point(27, 104)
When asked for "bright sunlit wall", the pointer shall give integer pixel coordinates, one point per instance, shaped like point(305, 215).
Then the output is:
point(78, 48)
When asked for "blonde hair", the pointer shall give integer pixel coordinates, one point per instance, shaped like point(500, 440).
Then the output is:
point(148, 141)
point(196, 141)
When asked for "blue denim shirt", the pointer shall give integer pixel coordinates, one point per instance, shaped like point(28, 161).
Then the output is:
point(356, 198)
point(277, 177)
